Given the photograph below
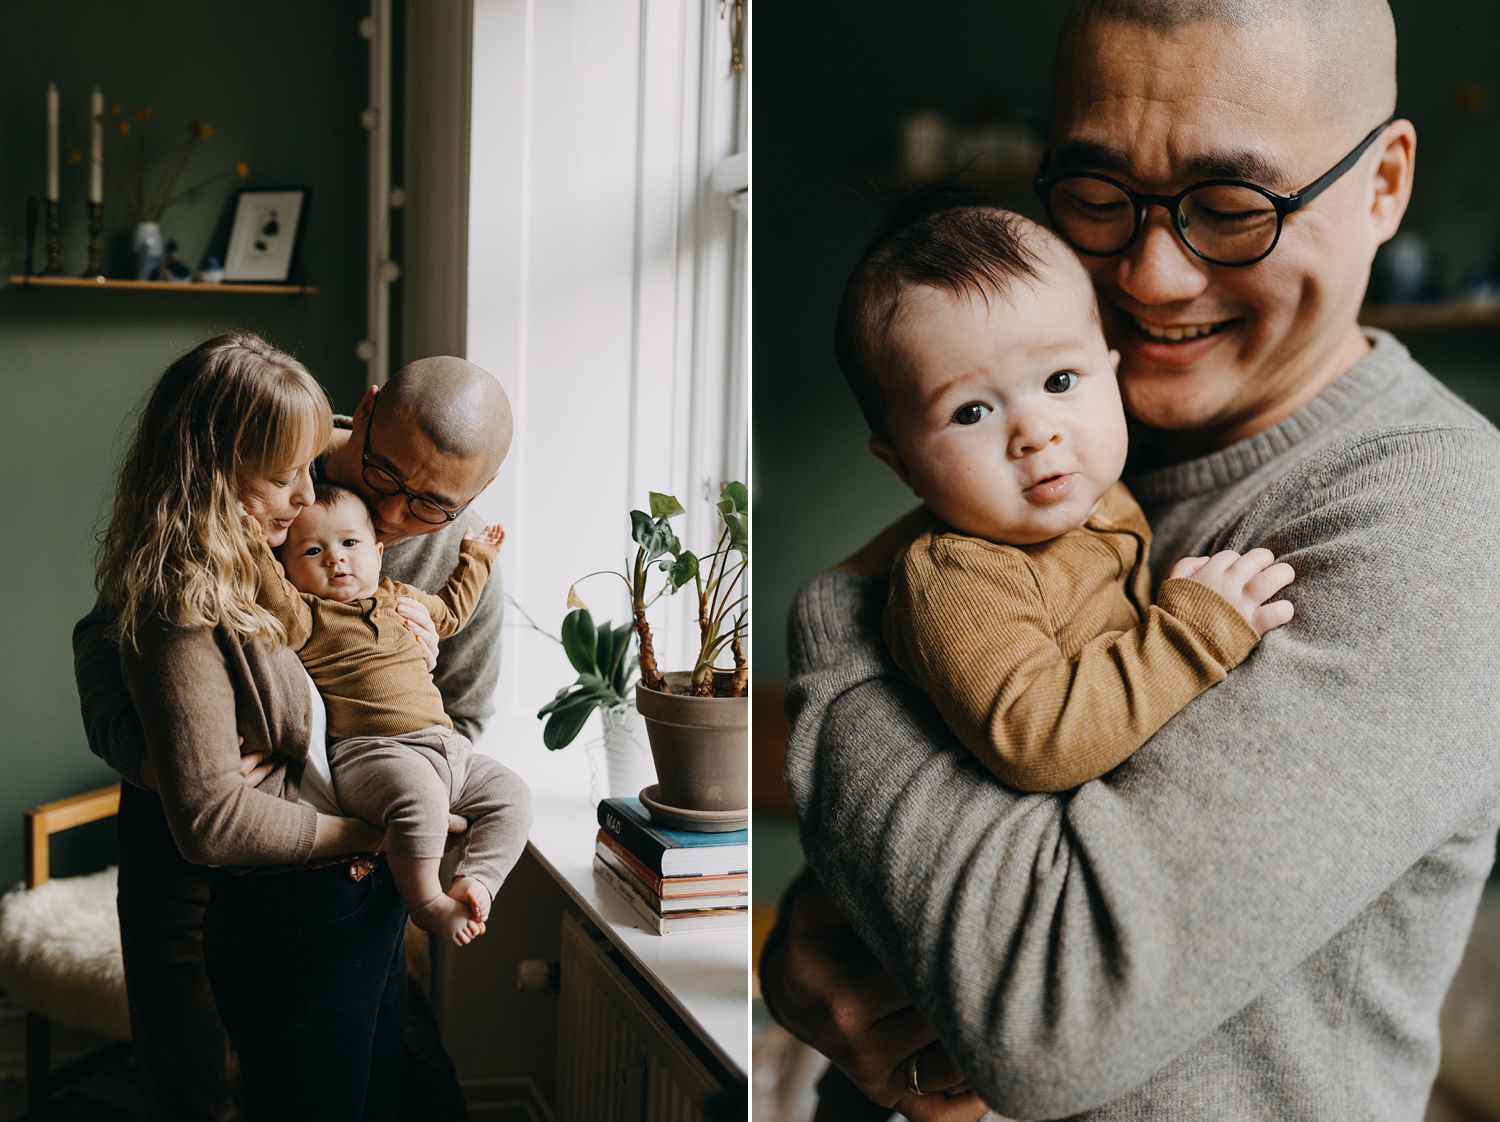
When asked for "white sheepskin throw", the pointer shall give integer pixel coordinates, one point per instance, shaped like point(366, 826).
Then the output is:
point(60, 953)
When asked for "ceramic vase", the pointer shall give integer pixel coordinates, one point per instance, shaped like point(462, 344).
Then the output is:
point(147, 245)
point(627, 755)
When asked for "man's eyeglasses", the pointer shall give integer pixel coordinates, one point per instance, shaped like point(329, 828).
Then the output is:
point(1223, 221)
point(383, 482)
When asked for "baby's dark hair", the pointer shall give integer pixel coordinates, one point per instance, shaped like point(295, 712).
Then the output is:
point(327, 494)
point(943, 237)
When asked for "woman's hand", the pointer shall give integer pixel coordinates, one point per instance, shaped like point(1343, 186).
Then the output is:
point(830, 992)
point(418, 621)
point(254, 766)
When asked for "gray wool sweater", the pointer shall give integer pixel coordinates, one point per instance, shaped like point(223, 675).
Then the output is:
point(1256, 916)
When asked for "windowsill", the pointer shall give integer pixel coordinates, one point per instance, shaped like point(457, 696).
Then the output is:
point(703, 976)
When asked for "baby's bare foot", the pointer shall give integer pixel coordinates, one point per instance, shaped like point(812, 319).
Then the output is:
point(448, 919)
point(467, 890)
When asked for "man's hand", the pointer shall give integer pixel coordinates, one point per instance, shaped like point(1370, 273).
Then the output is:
point(1246, 581)
point(418, 621)
point(491, 535)
point(831, 993)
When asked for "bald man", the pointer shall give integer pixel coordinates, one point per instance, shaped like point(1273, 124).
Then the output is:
point(1257, 915)
point(438, 436)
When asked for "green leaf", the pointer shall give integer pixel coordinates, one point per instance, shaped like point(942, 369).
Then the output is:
point(683, 570)
point(734, 509)
point(557, 702)
point(641, 528)
point(664, 506)
point(565, 726)
point(655, 537)
point(620, 671)
point(737, 495)
point(590, 691)
point(578, 641)
point(604, 656)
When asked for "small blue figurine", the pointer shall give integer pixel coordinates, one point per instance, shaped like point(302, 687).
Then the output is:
point(212, 272)
point(174, 268)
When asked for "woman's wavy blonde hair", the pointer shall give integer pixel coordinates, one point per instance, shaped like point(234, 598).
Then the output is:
point(177, 547)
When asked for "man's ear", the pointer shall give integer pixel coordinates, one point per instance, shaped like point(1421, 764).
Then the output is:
point(366, 406)
point(886, 453)
point(1392, 178)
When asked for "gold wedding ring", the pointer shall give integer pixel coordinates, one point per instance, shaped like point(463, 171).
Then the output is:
point(911, 1075)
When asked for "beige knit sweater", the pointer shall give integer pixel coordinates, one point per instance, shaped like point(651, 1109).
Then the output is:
point(1049, 661)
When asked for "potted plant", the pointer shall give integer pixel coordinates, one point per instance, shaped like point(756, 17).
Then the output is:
point(696, 719)
point(605, 666)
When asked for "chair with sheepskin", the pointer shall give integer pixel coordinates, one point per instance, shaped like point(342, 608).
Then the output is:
point(60, 951)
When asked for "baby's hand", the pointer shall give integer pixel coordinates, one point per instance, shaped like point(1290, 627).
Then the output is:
point(490, 535)
point(1246, 581)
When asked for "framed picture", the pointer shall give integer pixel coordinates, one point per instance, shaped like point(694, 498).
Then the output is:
point(263, 239)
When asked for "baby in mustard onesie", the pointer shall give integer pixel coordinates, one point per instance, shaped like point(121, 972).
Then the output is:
point(972, 339)
point(392, 751)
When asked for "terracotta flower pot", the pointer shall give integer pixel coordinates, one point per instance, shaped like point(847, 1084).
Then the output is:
point(700, 744)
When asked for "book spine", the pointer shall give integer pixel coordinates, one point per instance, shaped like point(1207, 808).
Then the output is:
point(614, 848)
point(630, 834)
point(613, 879)
point(625, 873)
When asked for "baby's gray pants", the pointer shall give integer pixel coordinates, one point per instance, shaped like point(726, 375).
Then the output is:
point(409, 783)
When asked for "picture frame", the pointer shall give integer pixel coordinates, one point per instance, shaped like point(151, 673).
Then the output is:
point(266, 234)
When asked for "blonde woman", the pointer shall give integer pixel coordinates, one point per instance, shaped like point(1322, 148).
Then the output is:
point(303, 951)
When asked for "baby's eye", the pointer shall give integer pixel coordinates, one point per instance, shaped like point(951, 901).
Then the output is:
point(1061, 382)
point(350, 542)
point(311, 551)
point(971, 414)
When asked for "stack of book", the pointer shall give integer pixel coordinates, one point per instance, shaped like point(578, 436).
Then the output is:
point(676, 880)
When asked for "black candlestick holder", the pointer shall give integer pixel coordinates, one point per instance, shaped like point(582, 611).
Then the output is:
point(52, 228)
point(96, 228)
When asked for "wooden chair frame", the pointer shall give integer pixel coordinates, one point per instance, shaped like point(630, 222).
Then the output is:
point(41, 823)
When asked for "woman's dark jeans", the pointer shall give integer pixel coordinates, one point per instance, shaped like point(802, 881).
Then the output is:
point(309, 972)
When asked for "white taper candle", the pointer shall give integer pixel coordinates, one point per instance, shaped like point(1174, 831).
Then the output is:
point(52, 115)
point(96, 147)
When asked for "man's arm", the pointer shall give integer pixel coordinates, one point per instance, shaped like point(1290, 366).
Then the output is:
point(109, 718)
point(1067, 948)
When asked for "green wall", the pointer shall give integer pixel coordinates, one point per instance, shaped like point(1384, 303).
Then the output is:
point(831, 83)
point(283, 83)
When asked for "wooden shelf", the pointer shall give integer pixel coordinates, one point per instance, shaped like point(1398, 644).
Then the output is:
point(1454, 313)
point(164, 286)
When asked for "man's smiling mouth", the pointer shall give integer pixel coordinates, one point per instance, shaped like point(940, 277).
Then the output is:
point(1178, 333)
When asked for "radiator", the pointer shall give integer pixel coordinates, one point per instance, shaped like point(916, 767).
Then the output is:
point(617, 1059)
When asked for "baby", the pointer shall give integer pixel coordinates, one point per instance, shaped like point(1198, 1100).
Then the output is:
point(972, 339)
point(392, 751)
